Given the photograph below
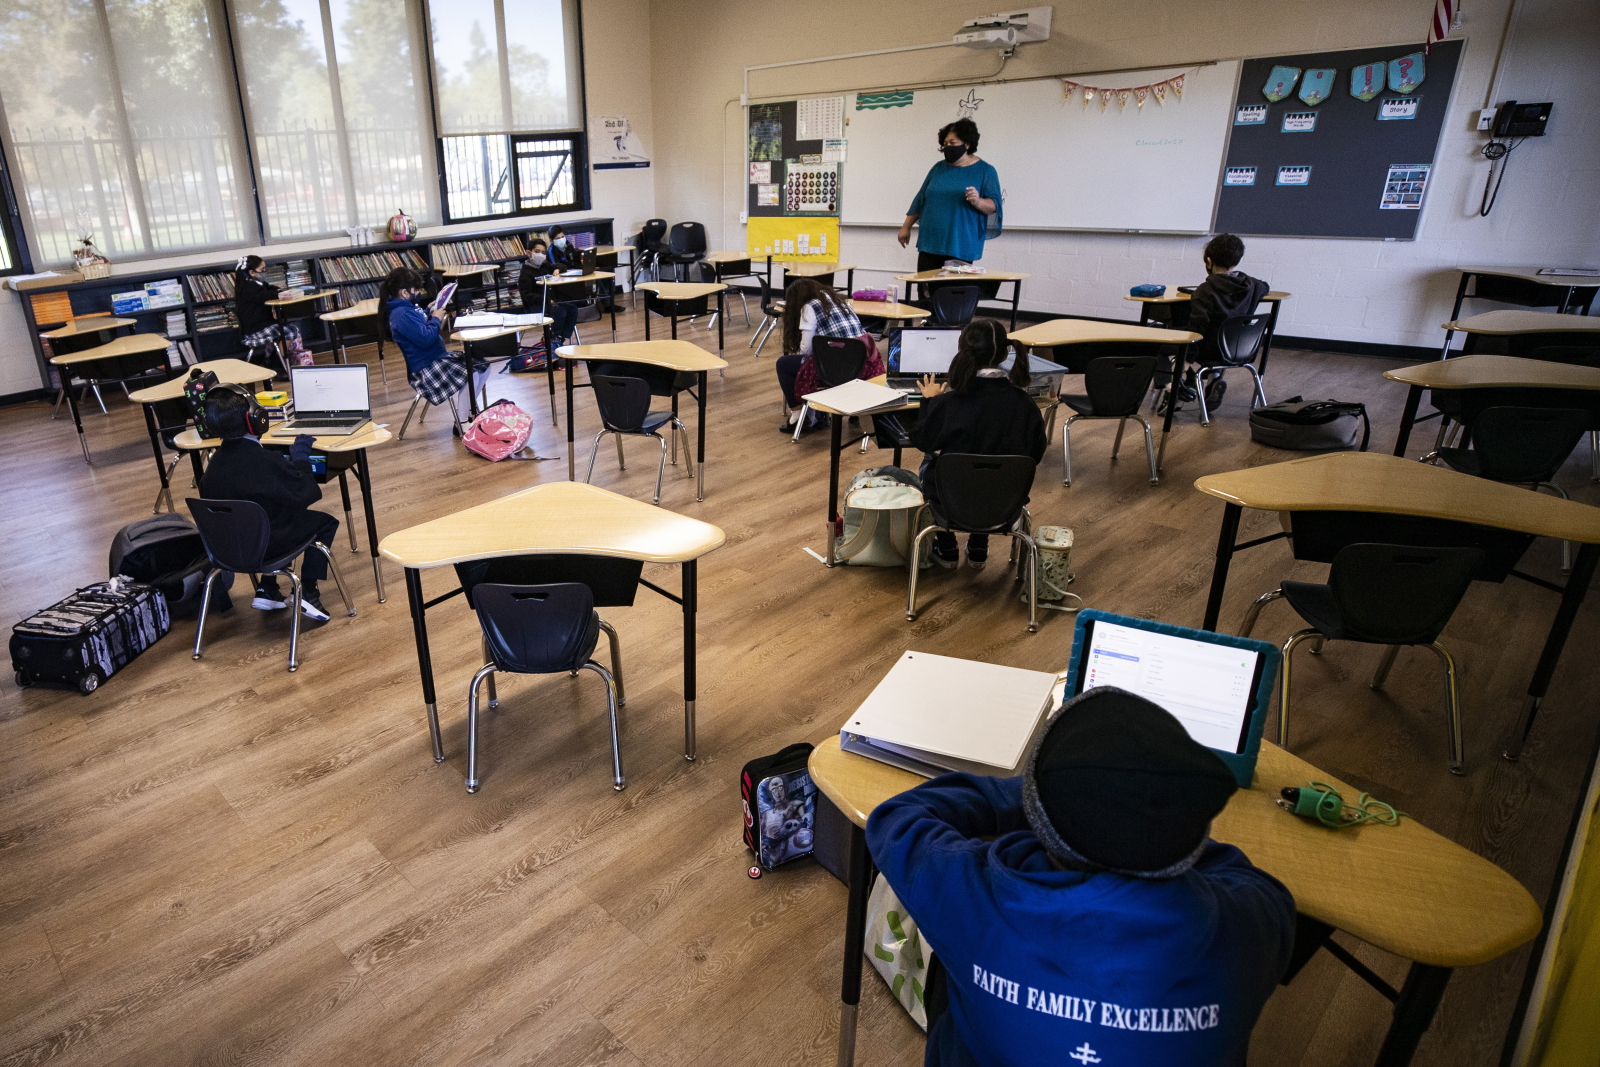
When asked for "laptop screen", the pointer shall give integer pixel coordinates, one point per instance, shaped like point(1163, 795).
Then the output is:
point(915, 352)
point(338, 388)
point(1210, 688)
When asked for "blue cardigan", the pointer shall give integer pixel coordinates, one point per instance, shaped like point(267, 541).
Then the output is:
point(1043, 960)
point(417, 334)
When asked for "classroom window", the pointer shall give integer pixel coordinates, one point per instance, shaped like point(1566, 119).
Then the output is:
point(337, 112)
point(120, 124)
point(508, 88)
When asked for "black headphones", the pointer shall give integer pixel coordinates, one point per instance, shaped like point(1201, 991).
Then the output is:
point(255, 415)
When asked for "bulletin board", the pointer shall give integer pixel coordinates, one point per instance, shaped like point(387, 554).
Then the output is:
point(794, 152)
point(1334, 165)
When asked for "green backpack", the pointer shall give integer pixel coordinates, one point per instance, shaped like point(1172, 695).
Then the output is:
point(883, 513)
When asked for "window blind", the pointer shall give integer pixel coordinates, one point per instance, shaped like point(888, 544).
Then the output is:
point(506, 66)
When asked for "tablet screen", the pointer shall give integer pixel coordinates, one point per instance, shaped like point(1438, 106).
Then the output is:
point(1210, 688)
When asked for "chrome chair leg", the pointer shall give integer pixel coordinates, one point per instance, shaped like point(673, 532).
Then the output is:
point(205, 608)
point(1261, 396)
point(1255, 611)
point(1594, 455)
point(688, 456)
point(1566, 546)
point(333, 568)
point(622, 463)
point(1066, 450)
point(1200, 392)
point(1316, 649)
point(661, 468)
point(488, 657)
point(911, 581)
point(1452, 696)
point(1283, 693)
point(594, 450)
point(1150, 451)
point(473, 781)
point(99, 399)
point(800, 422)
point(618, 782)
point(1033, 578)
point(616, 661)
point(1380, 677)
point(294, 618)
point(409, 412)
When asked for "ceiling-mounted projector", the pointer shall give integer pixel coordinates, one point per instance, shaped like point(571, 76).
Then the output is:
point(1006, 29)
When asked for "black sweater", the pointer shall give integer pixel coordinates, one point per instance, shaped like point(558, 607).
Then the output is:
point(1219, 297)
point(994, 419)
point(242, 470)
point(250, 301)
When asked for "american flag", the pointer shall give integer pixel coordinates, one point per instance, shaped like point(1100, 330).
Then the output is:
point(1444, 15)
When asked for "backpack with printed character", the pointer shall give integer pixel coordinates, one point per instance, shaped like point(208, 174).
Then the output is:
point(884, 510)
point(780, 805)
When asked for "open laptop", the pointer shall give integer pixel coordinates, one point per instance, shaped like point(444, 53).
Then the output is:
point(329, 401)
point(1217, 685)
point(915, 352)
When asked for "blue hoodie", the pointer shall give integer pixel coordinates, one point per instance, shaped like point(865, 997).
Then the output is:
point(1047, 965)
point(417, 334)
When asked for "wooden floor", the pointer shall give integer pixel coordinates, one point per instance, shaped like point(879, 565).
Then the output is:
point(221, 862)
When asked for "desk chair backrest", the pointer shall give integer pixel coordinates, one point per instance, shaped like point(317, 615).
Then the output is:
point(1517, 444)
point(982, 494)
point(1524, 345)
point(1117, 384)
point(537, 629)
point(172, 418)
point(623, 402)
point(611, 581)
point(768, 297)
point(954, 305)
point(1572, 355)
point(1239, 339)
point(1399, 594)
point(502, 347)
point(652, 234)
point(235, 533)
point(838, 359)
point(687, 239)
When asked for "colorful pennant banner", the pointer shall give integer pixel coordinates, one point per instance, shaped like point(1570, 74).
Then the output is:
point(1138, 93)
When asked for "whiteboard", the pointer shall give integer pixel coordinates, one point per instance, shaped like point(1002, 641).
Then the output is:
point(1062, 166)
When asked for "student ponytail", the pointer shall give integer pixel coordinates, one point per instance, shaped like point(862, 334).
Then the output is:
point(389, 289)
point(983, 345)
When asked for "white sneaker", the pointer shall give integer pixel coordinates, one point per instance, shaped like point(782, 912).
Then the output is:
point(311, 608)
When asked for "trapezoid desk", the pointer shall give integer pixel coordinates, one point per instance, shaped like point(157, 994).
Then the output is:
point(1484, 372)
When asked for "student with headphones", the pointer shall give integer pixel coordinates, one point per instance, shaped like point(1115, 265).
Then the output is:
point(284, 487)
point(981, 412)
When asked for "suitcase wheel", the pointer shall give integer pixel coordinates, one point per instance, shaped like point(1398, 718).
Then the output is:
point(24, 679)
point(89, 683)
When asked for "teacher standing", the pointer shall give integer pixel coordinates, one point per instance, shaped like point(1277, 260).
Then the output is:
point(955, 201)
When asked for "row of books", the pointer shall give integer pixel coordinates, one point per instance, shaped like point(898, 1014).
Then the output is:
point(177, 324)
point(292, 274)
point(371, 265)
point(180, 354)
point(215, 317)
point(482, 250)
point(351, 295)
point(211, 286)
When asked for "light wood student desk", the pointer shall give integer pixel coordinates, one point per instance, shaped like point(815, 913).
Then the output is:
point(1322, 491)
point(1585, 330)
point(69, 338)
point(287, 309)
point(1525, 286)
point(1402, 888)
point(922, 279)
point(342, 453)
point(120, 358)
point(896, 314)
point(1058, 333)
point(472, 336)
point(673, 355)
point(1147, 304)
point(676, 299)
point(808, 268)
point(344, 318)
point(555, 518)
point(1483, 372)
point(228, 372)
point(836, 447)
point(588, 281)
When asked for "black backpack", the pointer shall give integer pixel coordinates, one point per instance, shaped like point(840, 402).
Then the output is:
point(780, 805)
point(164, 551)
point(1310, 425)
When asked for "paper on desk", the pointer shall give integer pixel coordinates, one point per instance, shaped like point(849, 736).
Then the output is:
point(857, 397)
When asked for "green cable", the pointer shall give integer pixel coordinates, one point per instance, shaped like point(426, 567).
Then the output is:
point(1323, 803)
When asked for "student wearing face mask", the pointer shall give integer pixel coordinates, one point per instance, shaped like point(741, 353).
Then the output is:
point(952, 209)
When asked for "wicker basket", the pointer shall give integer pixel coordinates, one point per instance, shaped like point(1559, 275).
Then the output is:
point(95, 270)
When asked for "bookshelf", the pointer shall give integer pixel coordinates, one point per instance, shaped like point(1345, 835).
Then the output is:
point(205, 292)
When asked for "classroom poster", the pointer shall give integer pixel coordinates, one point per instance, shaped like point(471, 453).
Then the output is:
point(613, 145)
point(794, 239)
point(1403, 189)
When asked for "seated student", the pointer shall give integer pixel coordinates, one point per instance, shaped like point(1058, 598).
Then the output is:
point(980, 412)
point(284, 487)
point(534, 302)
point(563, 253)
point(431, 369)
point(814, 310)
point(1083, 906)
point(257, 325)
point(1226, 293)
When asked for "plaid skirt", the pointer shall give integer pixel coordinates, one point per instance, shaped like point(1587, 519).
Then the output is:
point(440, 380)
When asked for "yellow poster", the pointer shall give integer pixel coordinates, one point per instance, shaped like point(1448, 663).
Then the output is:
point(798, 239)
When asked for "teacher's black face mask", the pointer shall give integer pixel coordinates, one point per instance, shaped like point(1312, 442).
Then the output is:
point(953, 152)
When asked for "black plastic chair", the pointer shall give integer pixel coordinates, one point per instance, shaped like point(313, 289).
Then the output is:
point(648, 248)
point(686, 243)
point(1116, 386)
point(624, 405)
point(236, 534)
point(772, 308)
point(1394, 595)
point(541, 629)
point(171, 418)
point(838, 360)
point(1521, 446)
point(1238, 342)
point(455, 415)
point(1579, 356)
point(954, 305)
point(982, 495)
point(724, 271)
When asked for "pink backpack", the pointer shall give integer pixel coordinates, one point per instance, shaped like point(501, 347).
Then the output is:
point(499, 431)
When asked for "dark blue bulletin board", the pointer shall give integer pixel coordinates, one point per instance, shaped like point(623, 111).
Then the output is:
point(1339, 166)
